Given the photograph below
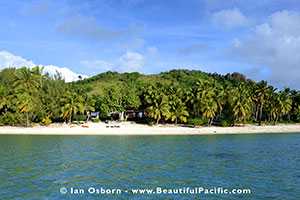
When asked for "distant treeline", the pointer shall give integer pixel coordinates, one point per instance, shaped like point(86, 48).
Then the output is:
point(192, 97)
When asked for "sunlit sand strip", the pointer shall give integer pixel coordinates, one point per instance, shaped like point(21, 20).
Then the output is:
point(137, 129)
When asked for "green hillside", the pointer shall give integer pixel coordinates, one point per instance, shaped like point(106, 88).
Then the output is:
point(177, 96)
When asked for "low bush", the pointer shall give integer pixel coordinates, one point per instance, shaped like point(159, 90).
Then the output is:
point(96, 120)
point(79, 118)
point(13, 119)
point(198, 121)
point(46, 121)
point(225, 123)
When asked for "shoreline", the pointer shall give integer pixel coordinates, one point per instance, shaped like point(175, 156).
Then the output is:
point(127, 128)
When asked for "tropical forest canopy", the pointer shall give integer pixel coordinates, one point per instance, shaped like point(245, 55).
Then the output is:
point(28, 96)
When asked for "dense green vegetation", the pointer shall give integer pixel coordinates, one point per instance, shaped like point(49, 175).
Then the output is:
point(28, 96)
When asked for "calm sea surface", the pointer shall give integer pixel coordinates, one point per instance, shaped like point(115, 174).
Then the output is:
point(36, 167)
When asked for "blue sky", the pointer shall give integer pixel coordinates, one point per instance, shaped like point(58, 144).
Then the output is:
point(258, 38)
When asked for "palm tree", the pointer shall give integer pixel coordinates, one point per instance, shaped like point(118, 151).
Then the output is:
point(188, 98)
point(260, 98)
point(270, 104)
point(150, 93)
point(284, 103)
point(26, 104)
point(51, 95)
point(209, 99)
point(297, 113)
point(273, 107)
point(209, 109)
point(241, 103)
point(178, 110)
point(72, 104)
point(28, 80)
point(26, 85)
point(159, 108)
point(220, 96)
point(4, 98)
point(88, 105)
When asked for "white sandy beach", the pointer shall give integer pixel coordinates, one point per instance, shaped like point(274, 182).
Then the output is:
point(126, 128)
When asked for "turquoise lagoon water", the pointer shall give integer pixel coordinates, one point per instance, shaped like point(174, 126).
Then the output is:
point(36, 167)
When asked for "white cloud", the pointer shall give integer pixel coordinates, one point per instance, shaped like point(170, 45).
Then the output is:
point(274, 45)
point(131, 61)
point(128, 62)
point(8, 59)
point(230, 18)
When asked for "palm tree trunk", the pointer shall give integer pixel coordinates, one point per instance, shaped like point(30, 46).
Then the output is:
point(256, 113)
point(70, 118)
point(276, 119)
point(260, 113)
point(157, 121)
point(27, 119)
point(210, 121)
point(88, 116)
